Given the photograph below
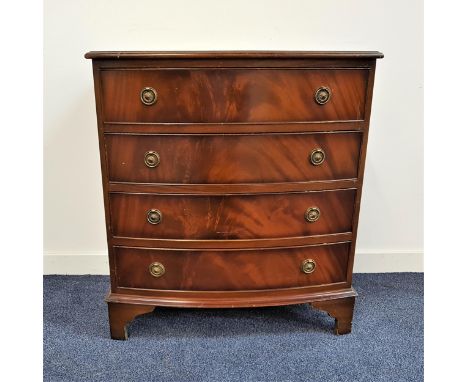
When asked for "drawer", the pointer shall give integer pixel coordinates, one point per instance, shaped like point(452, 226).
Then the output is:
point(232, 158)
point(231, 216)
point(233, 95)
point(231, 270)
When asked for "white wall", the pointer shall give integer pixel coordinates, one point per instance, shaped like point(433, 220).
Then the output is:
point(391, 224)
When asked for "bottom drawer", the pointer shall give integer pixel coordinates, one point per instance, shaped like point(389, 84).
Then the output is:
point(218, 270)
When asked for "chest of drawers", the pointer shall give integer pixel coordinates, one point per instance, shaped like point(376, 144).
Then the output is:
point(232, 179)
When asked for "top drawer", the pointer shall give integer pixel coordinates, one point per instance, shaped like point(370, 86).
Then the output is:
point(233, 95)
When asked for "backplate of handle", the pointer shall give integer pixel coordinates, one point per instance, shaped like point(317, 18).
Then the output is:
point(154, 216)
point(152, 159)
point(322, 95)
point(308, 266)
point(157, 269)
point(312, 214)
point(148, 96)
point(317, 156)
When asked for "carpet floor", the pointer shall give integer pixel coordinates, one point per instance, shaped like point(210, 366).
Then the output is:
point(293, 343)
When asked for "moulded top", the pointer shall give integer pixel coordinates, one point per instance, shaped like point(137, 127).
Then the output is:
point(230, 54)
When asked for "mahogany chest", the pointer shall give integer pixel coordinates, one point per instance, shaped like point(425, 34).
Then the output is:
point(232, 179)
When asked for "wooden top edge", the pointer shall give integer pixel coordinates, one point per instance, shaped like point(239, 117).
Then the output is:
point(230, 54)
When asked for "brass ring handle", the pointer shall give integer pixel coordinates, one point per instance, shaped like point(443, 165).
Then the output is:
point(312, 214)
point(152, 159)
point(317, 157)
point(157, 269)
point(308, 266)
point(322, 95)
point(154, 216)
point(148, 96)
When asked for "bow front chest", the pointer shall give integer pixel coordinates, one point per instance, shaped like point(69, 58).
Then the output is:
point(232, 179)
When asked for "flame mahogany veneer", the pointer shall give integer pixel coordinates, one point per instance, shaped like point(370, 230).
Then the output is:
point(232, 179)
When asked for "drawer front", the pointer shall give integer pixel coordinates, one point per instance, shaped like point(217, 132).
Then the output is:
point(233, 95)
point(231, 270)
point(231, 217)
point(231, 158)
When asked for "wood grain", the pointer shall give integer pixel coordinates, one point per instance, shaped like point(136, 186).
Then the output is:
point(233, 95)
point(232, 158)
point(233, 270)
point(231, 217)
point(234, 130)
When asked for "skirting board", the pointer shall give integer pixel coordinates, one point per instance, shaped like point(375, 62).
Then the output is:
point(365, 262)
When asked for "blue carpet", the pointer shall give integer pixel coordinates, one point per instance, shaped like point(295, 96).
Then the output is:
point(293, 343)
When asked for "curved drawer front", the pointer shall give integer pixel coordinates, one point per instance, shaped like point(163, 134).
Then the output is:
point(232, 158)
point(231, 270)
point(231, 217)
point(233, 95)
